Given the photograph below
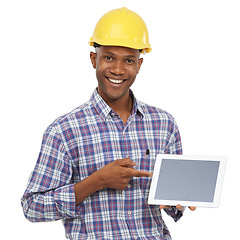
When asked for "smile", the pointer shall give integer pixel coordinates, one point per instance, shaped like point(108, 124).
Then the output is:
point(116, 81)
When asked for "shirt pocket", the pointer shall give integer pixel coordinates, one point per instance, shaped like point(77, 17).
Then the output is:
point(145, 161)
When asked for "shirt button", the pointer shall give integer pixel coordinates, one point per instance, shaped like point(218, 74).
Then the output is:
point(135, 237)
point(129, 185)
point(129, 212)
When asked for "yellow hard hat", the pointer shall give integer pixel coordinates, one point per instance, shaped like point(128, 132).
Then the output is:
point(121, 27)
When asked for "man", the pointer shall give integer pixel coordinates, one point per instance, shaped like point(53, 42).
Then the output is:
point(95, 165)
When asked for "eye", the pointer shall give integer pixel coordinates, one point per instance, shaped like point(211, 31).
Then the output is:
point(130, 61)
point(108, 58)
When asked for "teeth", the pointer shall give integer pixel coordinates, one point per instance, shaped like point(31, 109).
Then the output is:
point(114, 80)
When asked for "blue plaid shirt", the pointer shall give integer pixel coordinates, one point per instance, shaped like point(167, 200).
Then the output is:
point(83, 141)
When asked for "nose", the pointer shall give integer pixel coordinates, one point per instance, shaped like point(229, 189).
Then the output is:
point(117, 68)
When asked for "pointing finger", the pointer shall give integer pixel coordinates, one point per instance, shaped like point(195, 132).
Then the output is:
point(137, 173)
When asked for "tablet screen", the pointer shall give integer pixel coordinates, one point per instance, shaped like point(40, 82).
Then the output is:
point(179, 178)
point(187, 180)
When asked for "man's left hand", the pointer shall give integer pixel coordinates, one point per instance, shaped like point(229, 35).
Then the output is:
point(179, 207)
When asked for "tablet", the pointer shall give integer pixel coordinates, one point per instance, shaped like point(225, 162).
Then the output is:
point(187, 180)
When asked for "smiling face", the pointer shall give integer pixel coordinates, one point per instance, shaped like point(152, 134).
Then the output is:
point(116, 70)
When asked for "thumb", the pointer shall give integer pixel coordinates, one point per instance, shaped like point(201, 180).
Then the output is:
point(126, 162)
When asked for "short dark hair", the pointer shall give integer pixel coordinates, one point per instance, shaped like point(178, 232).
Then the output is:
point(98, 45)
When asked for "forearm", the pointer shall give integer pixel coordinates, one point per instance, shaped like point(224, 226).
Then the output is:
point(87, 187)
point(50, 205)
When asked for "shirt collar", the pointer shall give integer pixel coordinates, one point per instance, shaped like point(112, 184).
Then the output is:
point(104, 110)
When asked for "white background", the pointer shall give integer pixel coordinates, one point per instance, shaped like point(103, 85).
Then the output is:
point(193, 72)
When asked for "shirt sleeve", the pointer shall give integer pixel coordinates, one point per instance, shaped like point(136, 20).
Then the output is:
point(174, 147)
point(174, 213)
point(50, 192)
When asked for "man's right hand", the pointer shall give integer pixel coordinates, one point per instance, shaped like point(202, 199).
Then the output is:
point(117, 174)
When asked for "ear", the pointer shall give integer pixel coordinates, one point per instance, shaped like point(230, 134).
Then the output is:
point(93, 57)
point(140, 61)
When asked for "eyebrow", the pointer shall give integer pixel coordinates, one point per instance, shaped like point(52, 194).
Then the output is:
point(110, 53)
point(131, 56)
point(127, 56)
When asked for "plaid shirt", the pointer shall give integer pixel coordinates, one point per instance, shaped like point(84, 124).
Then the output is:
point(80, 143)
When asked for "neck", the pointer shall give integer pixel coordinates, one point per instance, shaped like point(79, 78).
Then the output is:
point(122, 106)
